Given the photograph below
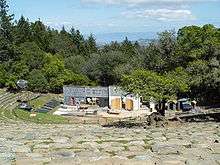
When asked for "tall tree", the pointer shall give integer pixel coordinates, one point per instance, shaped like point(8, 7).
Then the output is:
point(79, 42)
point(40, 35)
point(91, 44)
point(6, 32)
point(22, 31)
point(62, 44)
point(128, 48)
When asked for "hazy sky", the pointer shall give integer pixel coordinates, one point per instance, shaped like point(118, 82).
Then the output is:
point(109, 16)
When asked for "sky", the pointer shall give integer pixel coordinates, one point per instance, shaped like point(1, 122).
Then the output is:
point(119, 16)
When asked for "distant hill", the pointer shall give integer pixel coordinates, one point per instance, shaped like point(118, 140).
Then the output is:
point(143, 42)
point(142, 37)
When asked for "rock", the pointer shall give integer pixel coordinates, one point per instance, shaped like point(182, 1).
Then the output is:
point(143, 157)
point(62, 140)
point(41, 146)
point(35, 156)
point(166, 149)
point(22, 149)
point(60, 145)
point(173, 162)
point(201, 153)
point(30, 136)
point(113, 150)
point(179, 142)
point(136, 148)
point(137, 143)
point(5, 162)
point(63, 155)
point(215, 148)
point(24, 161)
point(201, 162)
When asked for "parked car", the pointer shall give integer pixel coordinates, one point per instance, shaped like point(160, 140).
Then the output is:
point(186, 106)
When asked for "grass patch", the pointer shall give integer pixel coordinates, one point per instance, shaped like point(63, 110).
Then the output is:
point(118, 141)
point(39, 102)
point(99, 142)
point(40, 118)
point(2, 91)
point(6, 114)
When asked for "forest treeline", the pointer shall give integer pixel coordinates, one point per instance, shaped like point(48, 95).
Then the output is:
point(183, 63)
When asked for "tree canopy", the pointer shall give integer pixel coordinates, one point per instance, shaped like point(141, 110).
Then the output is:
point(175, 64)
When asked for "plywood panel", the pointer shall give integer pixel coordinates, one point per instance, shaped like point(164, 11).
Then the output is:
point(129, 105)
point(116, 104)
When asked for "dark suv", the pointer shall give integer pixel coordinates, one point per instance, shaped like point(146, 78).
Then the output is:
point(186, 106)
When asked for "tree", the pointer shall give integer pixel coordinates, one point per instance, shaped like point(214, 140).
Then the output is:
point(128, 48)
point(37, 81)
point(40, 35)
point(32, 55)
point(167, 47)
point(62, 44)
point(6, 33)
point(160, 54)
point(22, 31)
point(204, 81)
point(100, 67)
point(19, 69)
point(75, 63)
point(197, 43)
point(151, 84)
point(77, 39)
point(11, 82)
point(198, 51)
point(2, 76)
point(152, 58)
point(91, 45)
point(71, 78)
point(113, 46)
point(53, 67)
point(54, 71)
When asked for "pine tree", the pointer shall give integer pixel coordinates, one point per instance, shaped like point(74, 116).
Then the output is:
point(128, 48)
point(6, 32)
point(40, 35)
point(64, 32)
point(91, 44)
point(79, 42)
point(23, 31)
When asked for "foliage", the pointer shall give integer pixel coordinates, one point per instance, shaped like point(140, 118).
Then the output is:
point(2, 76)
point(168, 66)
point(6, 33)
point(32, 55)
point(75, 63)
point(101, 66)
point(37, 82)
point(150, 84)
